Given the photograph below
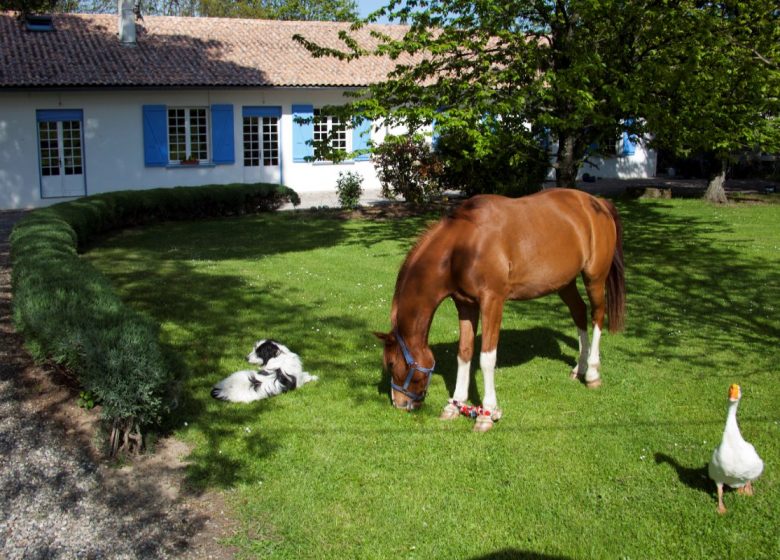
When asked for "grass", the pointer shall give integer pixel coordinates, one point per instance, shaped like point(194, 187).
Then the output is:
point(333, 471)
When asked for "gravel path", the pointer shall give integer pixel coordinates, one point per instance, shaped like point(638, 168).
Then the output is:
point(56, 500)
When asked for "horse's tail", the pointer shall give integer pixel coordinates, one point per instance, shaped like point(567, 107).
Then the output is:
point(616, 283)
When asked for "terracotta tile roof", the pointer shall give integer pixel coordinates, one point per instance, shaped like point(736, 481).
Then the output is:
point(84, 51)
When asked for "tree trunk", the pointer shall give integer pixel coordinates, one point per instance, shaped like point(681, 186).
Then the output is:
point(716, 190)
point(567, 164)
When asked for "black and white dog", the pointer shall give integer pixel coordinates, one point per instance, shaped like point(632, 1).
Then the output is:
point(281, 371)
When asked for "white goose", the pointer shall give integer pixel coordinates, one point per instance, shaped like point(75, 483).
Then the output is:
point(735, 461)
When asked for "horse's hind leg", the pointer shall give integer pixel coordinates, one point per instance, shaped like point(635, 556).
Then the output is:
point(468, 315)
point(579, 312)
point(596, 296)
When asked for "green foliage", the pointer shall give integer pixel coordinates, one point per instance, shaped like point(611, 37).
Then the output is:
point(581, 70)
point(501, 165)
point(68, 312)
point(715, 90)
point(28, 6)
point(349, 187)
point(86, 400)
point(407, 167)
point(311, 10)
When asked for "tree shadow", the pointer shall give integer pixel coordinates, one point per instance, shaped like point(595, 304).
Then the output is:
point(692, 477)
point(683, 280)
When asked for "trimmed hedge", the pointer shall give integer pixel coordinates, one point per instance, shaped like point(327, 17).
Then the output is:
point(68, 312)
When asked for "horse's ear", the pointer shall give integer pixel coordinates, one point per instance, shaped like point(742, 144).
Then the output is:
point(385, 337)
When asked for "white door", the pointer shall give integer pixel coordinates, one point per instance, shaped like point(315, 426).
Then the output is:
point(261, 148)
point(62, 158)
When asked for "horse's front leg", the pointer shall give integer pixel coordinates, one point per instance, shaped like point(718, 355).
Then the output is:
point(492, 310)
point(468, 316)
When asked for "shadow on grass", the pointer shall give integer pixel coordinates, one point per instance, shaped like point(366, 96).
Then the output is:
point(683, 282)
point(200, 303)
point(694, 478)
point(680, 278)
point(515, 554)
point(515, 348)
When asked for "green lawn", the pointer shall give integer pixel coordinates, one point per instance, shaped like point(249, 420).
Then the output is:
point(333, 471)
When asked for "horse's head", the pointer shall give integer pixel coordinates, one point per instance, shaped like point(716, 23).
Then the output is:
point(408, 379)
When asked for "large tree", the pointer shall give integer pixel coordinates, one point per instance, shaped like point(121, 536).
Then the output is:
point(532, 68)
point(581, 71)
point(716, 91)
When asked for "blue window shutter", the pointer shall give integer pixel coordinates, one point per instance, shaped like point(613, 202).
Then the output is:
point(155, 135)
point(222, 140)
point(628, 141)
point(360, 137)
point(302, 132)
point(629, 146)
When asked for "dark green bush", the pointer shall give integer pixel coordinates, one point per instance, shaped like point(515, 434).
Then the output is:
point(496, 163)
point(68, 312)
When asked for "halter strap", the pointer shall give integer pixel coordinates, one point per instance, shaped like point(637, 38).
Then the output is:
point(412, 366)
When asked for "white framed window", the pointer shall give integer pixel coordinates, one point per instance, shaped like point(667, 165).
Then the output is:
point(330, 129)
point(261, 141)
point(188, 134)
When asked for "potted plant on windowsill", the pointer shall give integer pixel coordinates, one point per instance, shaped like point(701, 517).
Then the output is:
point(190, 160)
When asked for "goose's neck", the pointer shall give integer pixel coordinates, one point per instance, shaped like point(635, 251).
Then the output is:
point(732, 427)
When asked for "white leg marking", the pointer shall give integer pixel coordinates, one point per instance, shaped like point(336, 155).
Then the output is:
point(593, 359)
point(461, 393)
point(582, 356)
point(487, 362)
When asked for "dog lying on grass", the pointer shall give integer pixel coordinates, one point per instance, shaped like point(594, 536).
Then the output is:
point(281, 371)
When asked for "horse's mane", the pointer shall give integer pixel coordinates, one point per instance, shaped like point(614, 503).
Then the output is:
point(422, 240)
point(471, 210)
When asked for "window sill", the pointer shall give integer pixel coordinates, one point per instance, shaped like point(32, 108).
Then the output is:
point(345, 162)
point(189, 165)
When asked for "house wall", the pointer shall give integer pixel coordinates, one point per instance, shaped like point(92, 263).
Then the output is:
point(114, 143)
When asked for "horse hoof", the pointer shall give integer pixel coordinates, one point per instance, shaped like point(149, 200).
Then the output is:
point(595, 384)
point(484, 424)
point(450, 412)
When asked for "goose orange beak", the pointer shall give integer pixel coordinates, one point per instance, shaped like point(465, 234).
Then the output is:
point(734, 392)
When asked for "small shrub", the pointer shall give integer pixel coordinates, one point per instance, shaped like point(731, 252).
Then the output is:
point(407, 167)
point(349, 186)
point(68, 312)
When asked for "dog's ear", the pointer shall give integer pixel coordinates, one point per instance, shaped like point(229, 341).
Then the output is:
point(286, 381)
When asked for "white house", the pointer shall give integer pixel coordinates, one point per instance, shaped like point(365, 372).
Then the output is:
point(180, 101)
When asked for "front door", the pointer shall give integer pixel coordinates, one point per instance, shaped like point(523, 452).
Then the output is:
point(261, 144)
point(61, 153)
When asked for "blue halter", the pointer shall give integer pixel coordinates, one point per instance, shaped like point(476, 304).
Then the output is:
point(413, 366)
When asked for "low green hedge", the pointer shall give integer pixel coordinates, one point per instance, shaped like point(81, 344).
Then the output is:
point(68, 312)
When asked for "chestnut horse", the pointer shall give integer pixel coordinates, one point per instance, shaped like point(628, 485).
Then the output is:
point(492, 249)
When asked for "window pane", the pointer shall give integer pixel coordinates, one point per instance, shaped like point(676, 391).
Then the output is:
point(270, 141)
point(49, 149)
point(251, 142)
